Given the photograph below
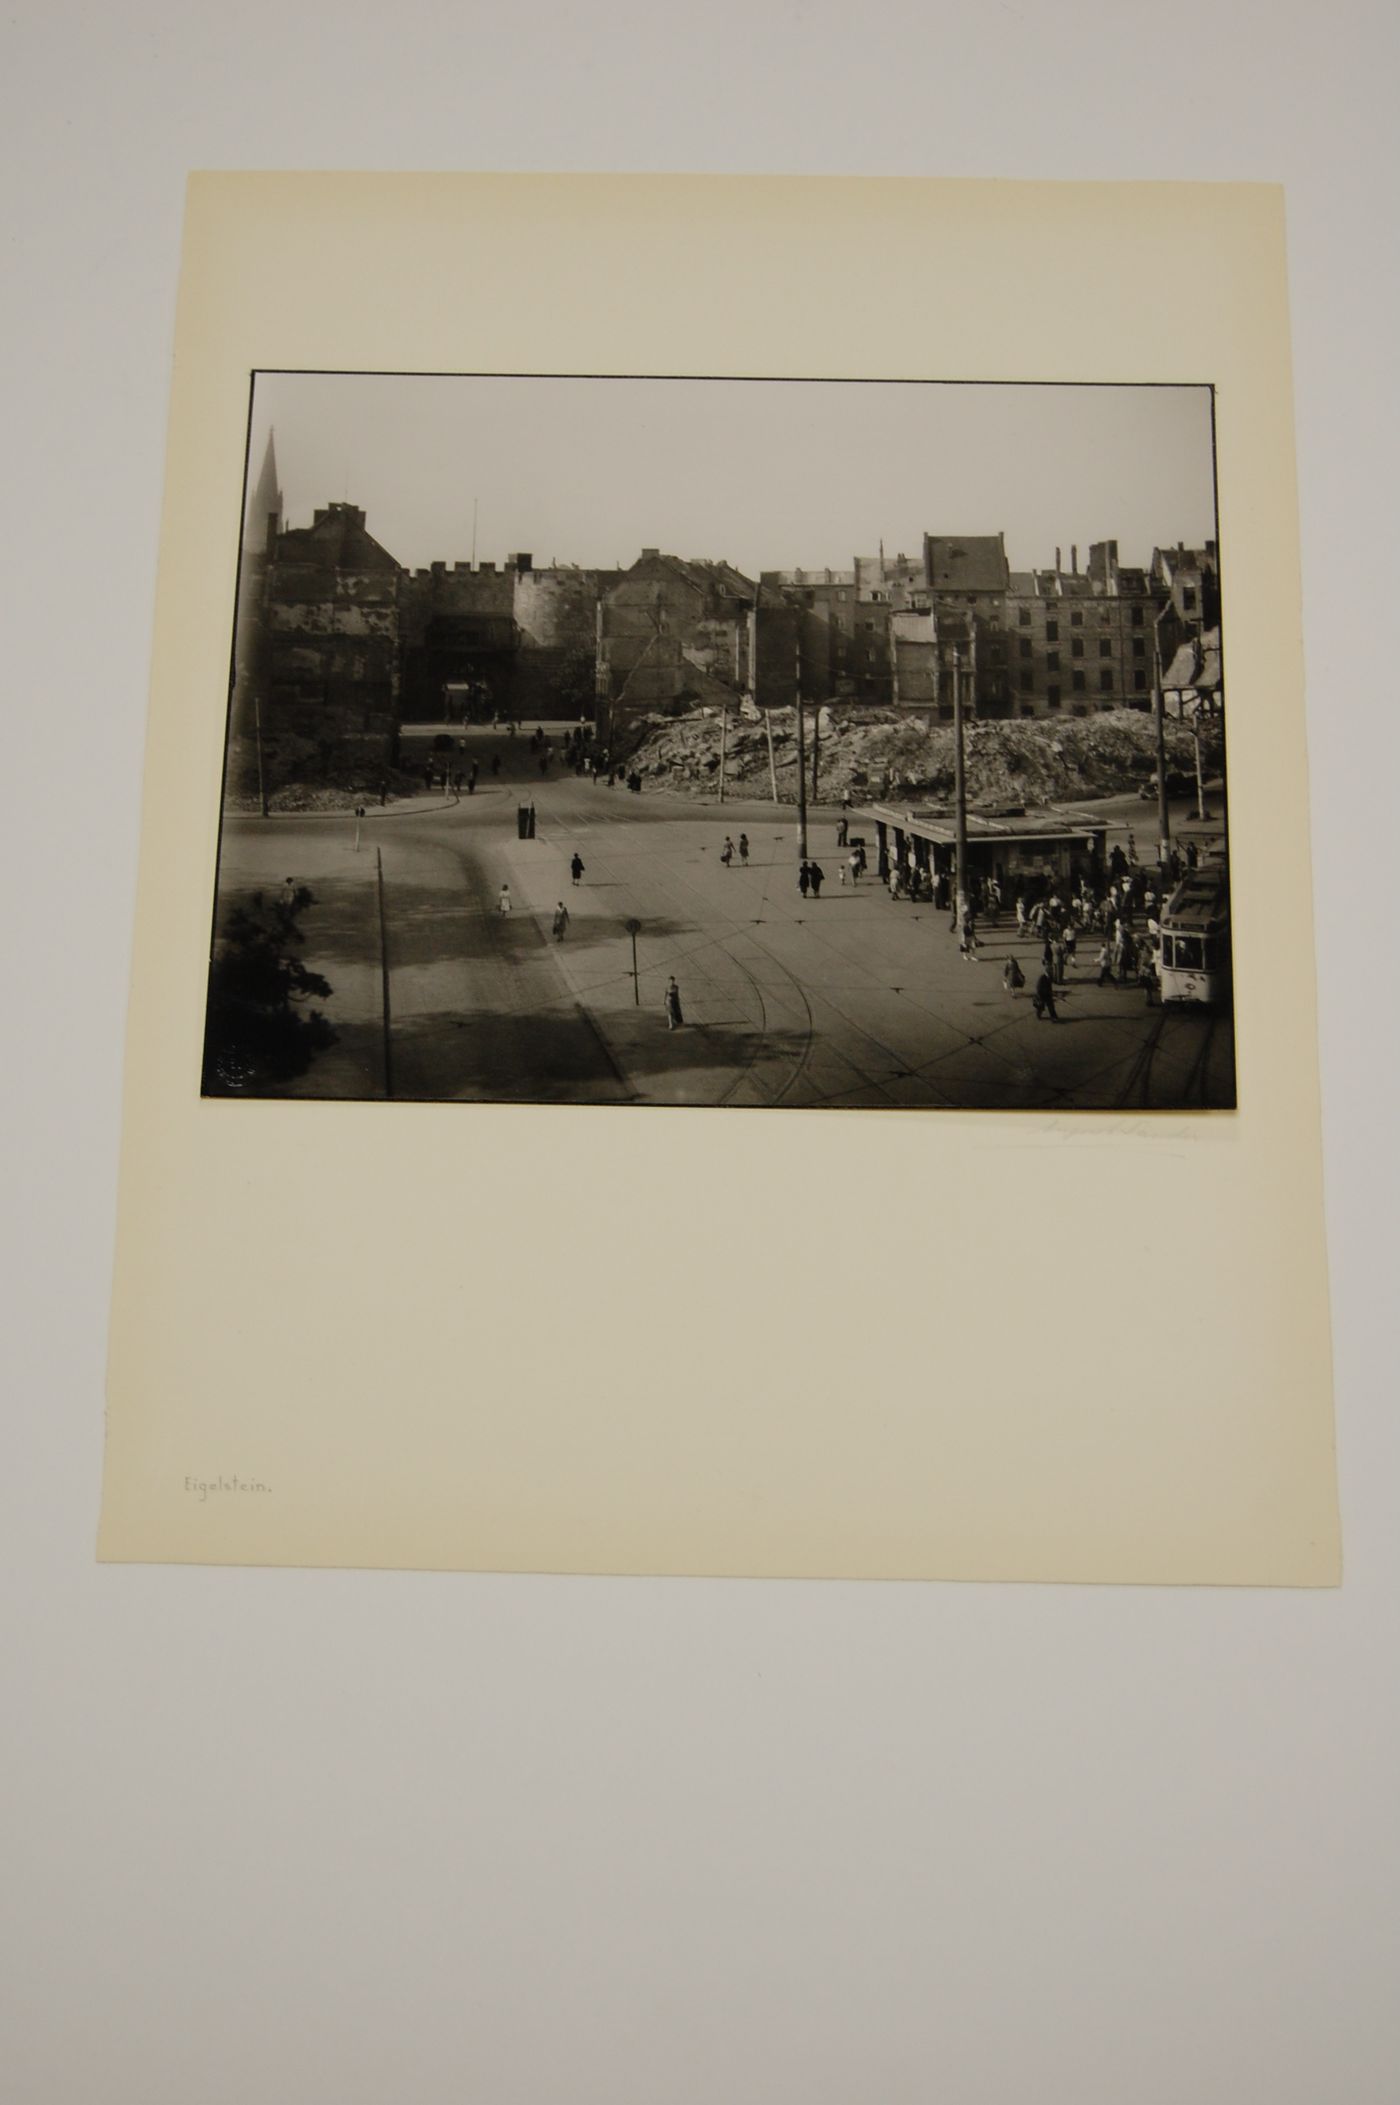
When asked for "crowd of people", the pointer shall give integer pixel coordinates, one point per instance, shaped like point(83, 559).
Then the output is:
point(1119, 912)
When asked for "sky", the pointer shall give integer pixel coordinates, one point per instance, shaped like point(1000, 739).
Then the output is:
point(764, 474)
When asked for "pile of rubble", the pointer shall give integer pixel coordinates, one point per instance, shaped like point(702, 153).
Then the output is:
point(881, 755)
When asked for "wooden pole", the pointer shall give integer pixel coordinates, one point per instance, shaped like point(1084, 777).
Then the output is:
point(1163, 817)
point(1200, 770)
point(772, 763)
point(801, 750)
point(257, 730)
point(960, 798)
point(384, 976)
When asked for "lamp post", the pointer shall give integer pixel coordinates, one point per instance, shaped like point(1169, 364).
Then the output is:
point(633, 930)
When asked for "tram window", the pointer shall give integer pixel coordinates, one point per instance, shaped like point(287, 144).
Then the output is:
point(1189, 954)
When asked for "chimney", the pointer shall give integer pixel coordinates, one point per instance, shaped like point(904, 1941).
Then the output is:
point(1074, 560)
point(650, 552)
point(1057, 558)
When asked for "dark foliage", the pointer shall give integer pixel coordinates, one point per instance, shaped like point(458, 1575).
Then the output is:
point(257, 1032)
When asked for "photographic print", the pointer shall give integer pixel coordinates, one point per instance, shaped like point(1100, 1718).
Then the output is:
point(757, 743)
point(523, 745)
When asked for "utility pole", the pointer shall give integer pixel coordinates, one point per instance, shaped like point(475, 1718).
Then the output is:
point(1159, 706)
point(723, 740)
point(960, 797)
point(801, 750)
point(257, 733)
point(1200, 770)
point(761, 706)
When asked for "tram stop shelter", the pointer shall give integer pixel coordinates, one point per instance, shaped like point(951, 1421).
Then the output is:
point(1013, 845)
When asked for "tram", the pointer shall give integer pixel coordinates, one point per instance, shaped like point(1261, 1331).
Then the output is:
point(1194, 964)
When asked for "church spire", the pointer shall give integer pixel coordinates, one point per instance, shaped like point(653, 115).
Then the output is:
point(265, 502)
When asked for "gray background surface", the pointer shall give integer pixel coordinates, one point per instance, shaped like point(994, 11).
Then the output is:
point(341, 1837)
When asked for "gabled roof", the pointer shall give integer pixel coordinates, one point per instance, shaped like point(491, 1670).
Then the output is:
point(337, 538)
point(701, 573)
point(724, 575)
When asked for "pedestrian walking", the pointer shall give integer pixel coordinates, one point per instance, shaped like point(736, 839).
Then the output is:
point(1058, 955)
point(1106, 966)
point(1012, 977)
point(817, 875)
point(576, 866)
point(853, 864)
point(726, 853)
point(969, 938)
point(804, 878)
point(674, 1017)
point(287, 897)
point(472, 772)
point(561, 921)
point(503, 901)
point(843, 830)
point(1043, 999)
point(456, 782)
point(743, 847)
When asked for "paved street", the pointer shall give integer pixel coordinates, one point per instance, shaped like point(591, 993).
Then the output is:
point(848, 1000)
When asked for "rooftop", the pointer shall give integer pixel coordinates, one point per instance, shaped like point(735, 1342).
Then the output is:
point(937, 822)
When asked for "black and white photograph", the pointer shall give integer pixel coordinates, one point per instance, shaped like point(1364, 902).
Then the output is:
point(750, 742)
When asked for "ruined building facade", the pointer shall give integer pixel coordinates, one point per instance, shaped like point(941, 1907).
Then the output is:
point(336, 641)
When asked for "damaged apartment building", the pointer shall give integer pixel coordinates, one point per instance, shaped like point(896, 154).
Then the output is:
point(338, 645)
point(896, 631)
